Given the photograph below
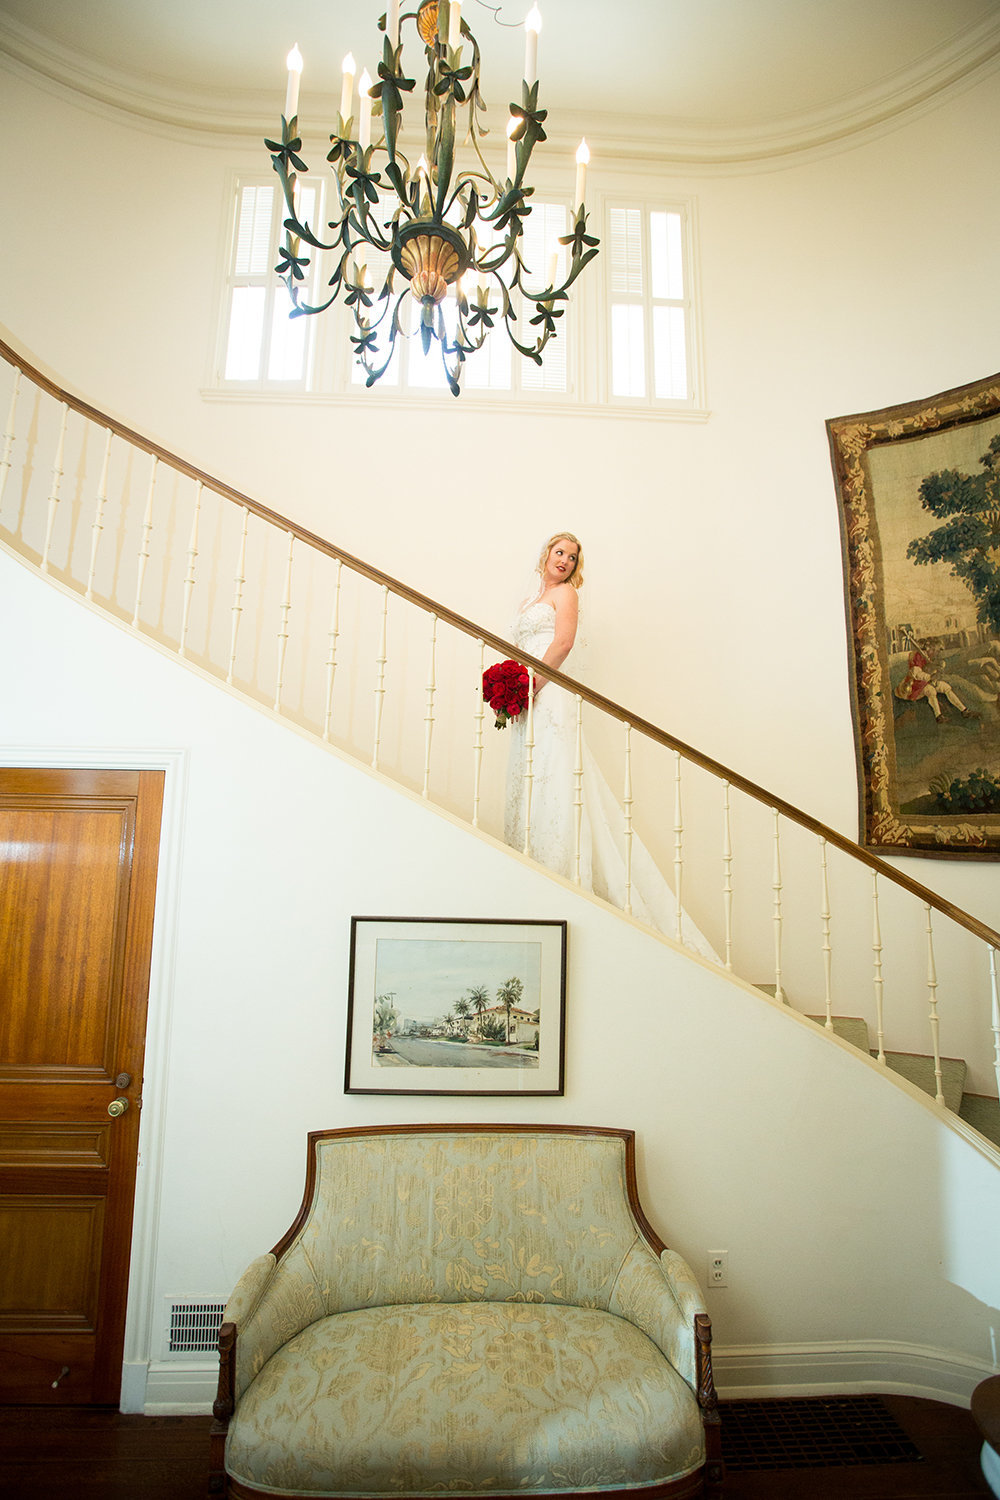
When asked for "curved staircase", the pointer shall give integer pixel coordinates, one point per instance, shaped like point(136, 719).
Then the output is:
point(370, 669)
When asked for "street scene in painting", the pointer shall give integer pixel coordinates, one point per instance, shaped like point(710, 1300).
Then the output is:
point(937, 506)
point(456, 1004)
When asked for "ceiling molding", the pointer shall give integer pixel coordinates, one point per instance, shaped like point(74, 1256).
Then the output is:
point(642, 139)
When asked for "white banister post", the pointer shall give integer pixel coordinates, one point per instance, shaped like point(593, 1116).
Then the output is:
point(189, 577)
point(239, 581)
point(825, 922)
point(995, 1015)
point(57, 473)
point(776, 887)
point(578, 790)
point(627, 800)
point(9, 433)
point(477, 737)
point(97, 525)
point(529, 763)
point(331, 658)
point(429, 710)
point(380, 662)
point(147, 529)
point(879, 984)
point(727, 872)
point(932, 986)
point(283, 612)
point(678, 850)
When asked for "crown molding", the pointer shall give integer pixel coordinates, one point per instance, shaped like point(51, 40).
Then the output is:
point(646, 139)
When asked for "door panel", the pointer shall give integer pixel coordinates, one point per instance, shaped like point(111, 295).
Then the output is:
point(78, 853)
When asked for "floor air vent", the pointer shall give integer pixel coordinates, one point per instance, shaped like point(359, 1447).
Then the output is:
point(193, 1327)
point(813, 1433)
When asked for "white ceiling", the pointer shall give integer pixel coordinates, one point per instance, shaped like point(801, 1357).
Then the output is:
point(716, 75)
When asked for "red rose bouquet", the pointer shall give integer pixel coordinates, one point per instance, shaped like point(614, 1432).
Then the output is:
point(505, 688)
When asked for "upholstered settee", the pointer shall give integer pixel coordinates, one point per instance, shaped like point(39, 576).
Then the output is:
point(467, 1311)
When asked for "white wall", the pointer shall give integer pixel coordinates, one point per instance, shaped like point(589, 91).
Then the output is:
point(836, 283)
point(850, 1266)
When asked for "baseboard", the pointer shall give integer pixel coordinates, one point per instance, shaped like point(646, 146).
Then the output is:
point(756, 1371)
point(742, 1372)
point(176, 1389)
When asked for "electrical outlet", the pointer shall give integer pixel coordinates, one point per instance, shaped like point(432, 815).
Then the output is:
point(718, 1268)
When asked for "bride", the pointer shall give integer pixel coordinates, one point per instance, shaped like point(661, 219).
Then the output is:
point(544, 805)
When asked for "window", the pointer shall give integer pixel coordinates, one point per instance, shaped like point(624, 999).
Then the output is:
point(261, 343)
point(649, 305)
point(627, 338)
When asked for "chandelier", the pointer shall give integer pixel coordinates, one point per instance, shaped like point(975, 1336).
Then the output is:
point(445, 230)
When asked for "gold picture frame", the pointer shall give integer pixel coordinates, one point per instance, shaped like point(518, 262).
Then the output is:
point(919, 496)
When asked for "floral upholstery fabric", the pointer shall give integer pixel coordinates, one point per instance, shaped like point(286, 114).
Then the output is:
point(465, 1399)
point(465, 1313)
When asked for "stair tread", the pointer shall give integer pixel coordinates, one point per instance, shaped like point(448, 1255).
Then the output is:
point(983, 1113)
point(918, 1068)
point(853, 1029)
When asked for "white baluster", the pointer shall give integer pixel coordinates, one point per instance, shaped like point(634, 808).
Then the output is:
point(879, 984)
point(284, 611)
point(192, 557)
point(825, 922)
point(380, 662)
point(147, 527)
point(578, 791)
point(529, 763)
point(627, 800)
point(678, 849)
point(9, 433)
point(98, 523)
point(57, 473)
point(477, 737)
point(238, 582)
point(727, 872)
point(429, 710)
point(995, 1015)
point(331, 659)
point(776, 887)
point(932, 985)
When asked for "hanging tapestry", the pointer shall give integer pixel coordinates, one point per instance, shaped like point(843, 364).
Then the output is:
point(919, 494)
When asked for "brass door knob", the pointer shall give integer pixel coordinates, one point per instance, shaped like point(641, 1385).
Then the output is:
point(117, 1107)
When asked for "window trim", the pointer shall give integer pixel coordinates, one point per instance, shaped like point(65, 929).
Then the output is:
point(693, 403)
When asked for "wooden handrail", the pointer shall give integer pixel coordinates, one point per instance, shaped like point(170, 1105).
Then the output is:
point(506, 648)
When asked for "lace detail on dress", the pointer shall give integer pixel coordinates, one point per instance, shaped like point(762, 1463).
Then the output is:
point(544, 801)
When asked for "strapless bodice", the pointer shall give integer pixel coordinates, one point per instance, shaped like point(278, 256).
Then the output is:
point(534, 628)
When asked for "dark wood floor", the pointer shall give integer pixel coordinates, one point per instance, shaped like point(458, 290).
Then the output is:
point(49, 1453)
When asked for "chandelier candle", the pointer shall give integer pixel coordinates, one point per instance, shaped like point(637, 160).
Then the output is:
point(434, 219)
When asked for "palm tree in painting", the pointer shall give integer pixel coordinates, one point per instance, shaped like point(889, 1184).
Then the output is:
point(509, 994)
point(463, 1011)
point(479, 999)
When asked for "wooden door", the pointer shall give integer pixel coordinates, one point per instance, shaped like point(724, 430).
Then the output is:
point(78, 857)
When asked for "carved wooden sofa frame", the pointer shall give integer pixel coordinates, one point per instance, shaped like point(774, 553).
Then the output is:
point(467, 1310)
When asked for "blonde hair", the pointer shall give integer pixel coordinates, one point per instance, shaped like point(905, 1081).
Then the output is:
point(576, 577)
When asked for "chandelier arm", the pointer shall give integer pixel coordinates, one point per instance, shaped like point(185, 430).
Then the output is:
point(306, 309)
point(367, 228)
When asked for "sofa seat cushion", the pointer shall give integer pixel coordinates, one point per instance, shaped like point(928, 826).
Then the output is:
point(476, 1398)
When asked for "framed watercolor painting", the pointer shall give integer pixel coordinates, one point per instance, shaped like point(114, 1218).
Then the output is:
point(919, 493)
point(456, 1006)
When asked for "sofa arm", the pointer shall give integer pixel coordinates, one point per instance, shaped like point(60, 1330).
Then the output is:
point(253, 1339)
point(662, 1298)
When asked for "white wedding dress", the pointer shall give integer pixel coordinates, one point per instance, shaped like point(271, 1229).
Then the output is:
point(552, 833)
